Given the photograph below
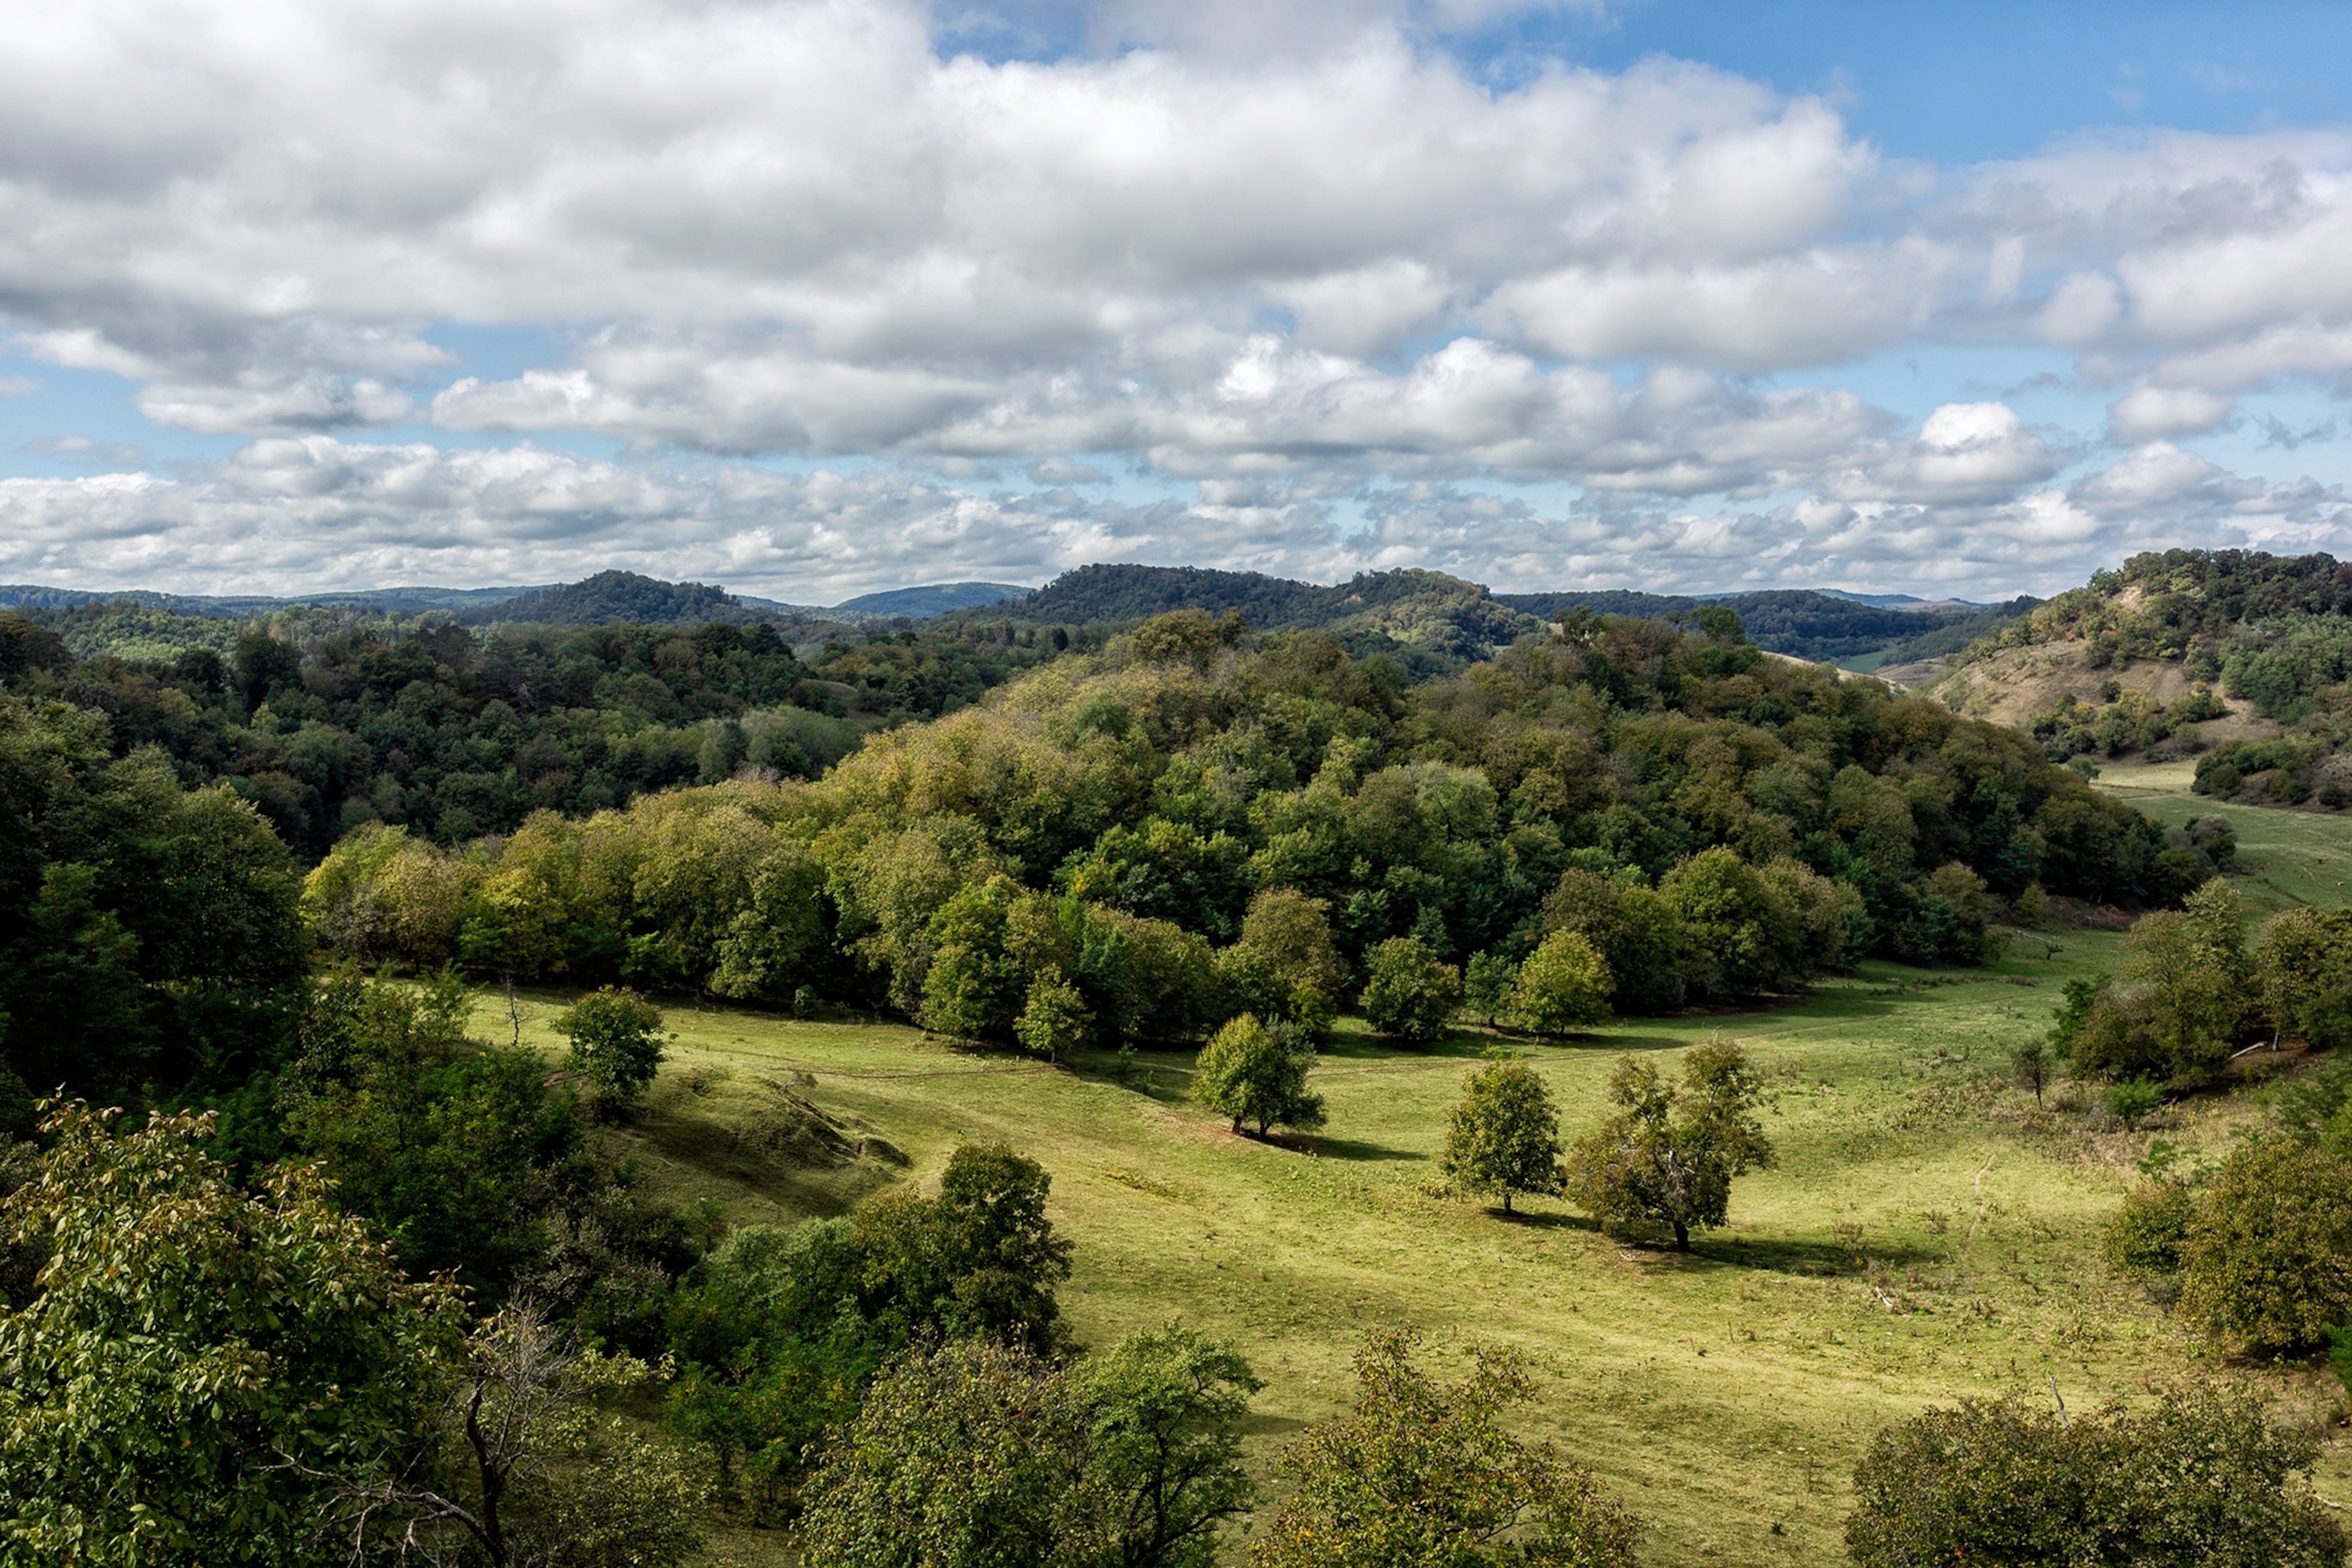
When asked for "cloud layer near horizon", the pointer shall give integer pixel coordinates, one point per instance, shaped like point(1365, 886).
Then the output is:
point(1324, 303)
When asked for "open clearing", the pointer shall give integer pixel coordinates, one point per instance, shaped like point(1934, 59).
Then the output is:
point(1930, 1233)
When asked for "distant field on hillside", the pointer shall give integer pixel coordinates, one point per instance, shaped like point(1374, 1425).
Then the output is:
point(1929, 1234)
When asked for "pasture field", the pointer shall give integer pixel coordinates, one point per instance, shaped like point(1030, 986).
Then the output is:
point(1930, 1232)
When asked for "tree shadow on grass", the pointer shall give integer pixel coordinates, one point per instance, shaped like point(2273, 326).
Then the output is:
point(1342, 1148)
point(1820, 1259)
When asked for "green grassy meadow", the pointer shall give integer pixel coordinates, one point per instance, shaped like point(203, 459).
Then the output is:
point(1930, 1233)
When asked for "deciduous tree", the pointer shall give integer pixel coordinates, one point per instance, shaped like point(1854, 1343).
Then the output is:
point(1504, 1134)
point(1670, 1153)
point(1253, 1072)
point(1424, 1473)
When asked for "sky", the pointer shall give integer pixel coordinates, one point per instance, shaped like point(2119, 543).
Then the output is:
point(812, 298)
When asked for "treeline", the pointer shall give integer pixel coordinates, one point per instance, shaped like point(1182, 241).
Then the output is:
point(1196, 823)
point(343, 722)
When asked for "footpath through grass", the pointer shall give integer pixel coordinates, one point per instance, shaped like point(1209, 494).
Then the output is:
point(1930, 1233)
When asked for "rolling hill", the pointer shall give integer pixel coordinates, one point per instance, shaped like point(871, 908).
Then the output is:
point(2238, 659)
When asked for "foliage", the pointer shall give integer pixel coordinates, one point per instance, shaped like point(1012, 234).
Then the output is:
point(2199, 1482)
point(2030, 1065)
point(1424, 1476)
point(1670, 1154)
point(1164, 1445)
point(616, 1042)
point(2146, 1233)
point(1563, 986)
point(2303, 968)
point(1255, 1072)
point(976, 1455)
point(1488, 982)
point(1503, 1135)
point(526, 1465)
point(147, 933)
point(454, 1150)
point(2267, 1260)
point(1715, 825)
point(1054, 1020)
point(2183, 1000)
point(1408, 992)
point(2130, 1100)
point(201, 1367)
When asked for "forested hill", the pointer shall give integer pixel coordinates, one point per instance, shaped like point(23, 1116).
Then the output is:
point(1797, 621)
point(1432, 613)
point(2240, 658)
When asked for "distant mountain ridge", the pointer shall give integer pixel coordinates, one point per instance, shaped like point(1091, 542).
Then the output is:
point(1408, 611)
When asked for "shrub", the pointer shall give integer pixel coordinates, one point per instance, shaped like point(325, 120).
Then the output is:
point(1503, 1135)
point(1254, 1072)
point(2132, 1100)
point(1409, 993)
point(1424, 1473)
point(2267, 1260)
point(617, 1041)
point(1564, 985)
point(2201, 1482)
point(2145, 1235)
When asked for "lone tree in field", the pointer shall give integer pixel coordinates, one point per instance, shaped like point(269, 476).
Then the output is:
point(1409, 993)
point(1253, 1073)
point(1669, 1155)
point(1424, 1473)
point(617, 1041)
point(1504, 1135)
point(1564, 985)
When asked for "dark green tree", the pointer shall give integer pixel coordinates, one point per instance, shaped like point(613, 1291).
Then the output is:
point(617, 1042)
point(1408, 992)
point(1164, 1446)
point(1670, 1153)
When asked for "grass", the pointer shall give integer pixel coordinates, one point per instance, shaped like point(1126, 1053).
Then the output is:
point(1930, 1233)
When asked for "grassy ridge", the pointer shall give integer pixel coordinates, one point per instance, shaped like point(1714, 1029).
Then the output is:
point(1928, 1234)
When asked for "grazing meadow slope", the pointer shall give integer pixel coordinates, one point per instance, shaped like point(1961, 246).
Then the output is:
point(1928, 1234)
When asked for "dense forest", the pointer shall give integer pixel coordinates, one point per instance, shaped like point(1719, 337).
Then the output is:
point(327, 721)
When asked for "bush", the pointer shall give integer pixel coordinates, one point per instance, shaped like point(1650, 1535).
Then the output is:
point(1409, 993)
point(1254, 1072)
point(2146, 1233)
point(1424, 1473)
point(2132, 1100)
point(2267, 1261)
point(2201, 1482)
point(1564, 985)
point(616, 1042)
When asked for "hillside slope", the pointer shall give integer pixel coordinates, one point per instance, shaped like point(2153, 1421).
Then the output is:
point(2238, 659)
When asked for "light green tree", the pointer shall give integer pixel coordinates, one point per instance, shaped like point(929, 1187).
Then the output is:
point(1564, 985)
point(1054, 1021)
point(1255, 1073)
point(1504, 1134)
point(201, 1371)
point(617, 1041)
point(1424, 1473)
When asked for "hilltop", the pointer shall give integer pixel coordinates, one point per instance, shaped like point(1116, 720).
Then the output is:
point(2238, 659)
